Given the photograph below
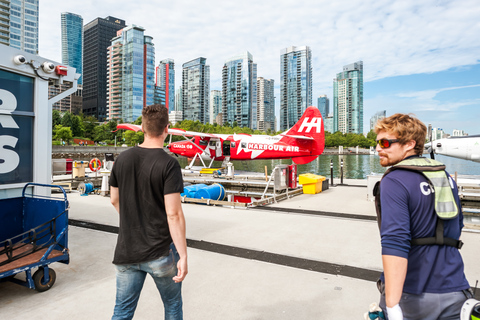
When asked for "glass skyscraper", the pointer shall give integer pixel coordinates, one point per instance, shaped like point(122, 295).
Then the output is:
point(266, 104)
point(295, 84)
point(131, 74)
point(215, 105)
point(19, 23)
point(324, 105)
point(377, 116)
point(239, 91)
point(166, 81)
point(97, 36)
point(195, 90)
point(72, 41)
point(348, 99)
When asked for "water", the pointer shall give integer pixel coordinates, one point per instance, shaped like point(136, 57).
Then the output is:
point(354, 166)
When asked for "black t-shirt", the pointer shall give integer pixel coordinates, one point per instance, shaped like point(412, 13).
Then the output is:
point(143, 176)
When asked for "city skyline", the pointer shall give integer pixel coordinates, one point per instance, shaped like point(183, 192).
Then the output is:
point(409, 49)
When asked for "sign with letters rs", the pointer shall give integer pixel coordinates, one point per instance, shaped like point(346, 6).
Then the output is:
point(16, 128)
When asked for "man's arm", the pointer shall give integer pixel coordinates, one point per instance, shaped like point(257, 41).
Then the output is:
point(176, 225)
point(115, 198)
point(395, 271)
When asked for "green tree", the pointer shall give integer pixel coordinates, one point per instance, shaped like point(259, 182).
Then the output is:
point(67, 119)
point(63, 133)
point(138, 121)
point(56, 118)
point(78, 130)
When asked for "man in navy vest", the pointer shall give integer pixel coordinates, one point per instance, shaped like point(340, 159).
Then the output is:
point(422, 279)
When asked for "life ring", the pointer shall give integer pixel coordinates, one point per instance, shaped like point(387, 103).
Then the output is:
point(95, 164)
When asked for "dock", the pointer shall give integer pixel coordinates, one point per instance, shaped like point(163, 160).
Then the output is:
point(310, 257)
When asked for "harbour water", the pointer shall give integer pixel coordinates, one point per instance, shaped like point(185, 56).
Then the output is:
point(354, 166)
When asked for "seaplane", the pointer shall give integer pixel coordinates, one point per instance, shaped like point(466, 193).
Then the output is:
point(466, 147)
point(303, 143)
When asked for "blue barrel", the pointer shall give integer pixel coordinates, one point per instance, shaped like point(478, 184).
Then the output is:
point(215, 192)
point(190, 191)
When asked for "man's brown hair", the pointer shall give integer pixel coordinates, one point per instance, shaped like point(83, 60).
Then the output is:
point(154, 119)
point(405, 127)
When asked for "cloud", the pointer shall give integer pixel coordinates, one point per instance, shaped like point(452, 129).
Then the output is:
point(430, 94)
point(393, 38)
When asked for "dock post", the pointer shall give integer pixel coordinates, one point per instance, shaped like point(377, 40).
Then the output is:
point(341, 171)
point(331, 172)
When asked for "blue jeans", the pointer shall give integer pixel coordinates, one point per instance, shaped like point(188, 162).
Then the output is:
point(130, 279)
point(429, 306)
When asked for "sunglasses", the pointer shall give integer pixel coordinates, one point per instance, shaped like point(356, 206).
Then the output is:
point(386, 143)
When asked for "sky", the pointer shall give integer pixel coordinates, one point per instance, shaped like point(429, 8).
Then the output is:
point(420, 57)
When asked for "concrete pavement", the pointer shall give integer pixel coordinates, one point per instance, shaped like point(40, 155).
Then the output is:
point(223, 286)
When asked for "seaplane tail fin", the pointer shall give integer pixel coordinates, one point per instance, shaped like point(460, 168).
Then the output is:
point(308, 129)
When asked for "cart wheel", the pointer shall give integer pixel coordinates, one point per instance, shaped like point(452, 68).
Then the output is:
point(40, 285)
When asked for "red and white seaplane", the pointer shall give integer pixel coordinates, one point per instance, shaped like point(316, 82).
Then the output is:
point(304, 142)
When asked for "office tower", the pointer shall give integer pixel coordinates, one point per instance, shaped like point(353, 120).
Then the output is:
point(324, 105)
point(377, 116)
point(215, 105)
point(348, 99)
point(19, 24)
point(195, 90)
point(437, 133)
point(295, 84)
point(178, 99)
point(239, 91)
point(72, 41)
point(159, 96)
point(166, 81)
point(328, 123)
point(266, 104)
point(97, 36)
point(5, 22)
point(131, 74)
point(174, 117)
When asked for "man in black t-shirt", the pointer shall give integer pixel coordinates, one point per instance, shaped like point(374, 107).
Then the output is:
point(145, 190)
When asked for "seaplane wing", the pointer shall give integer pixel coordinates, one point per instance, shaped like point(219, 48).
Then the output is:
point(129, 126)
point(466, 147)
point(181, 132)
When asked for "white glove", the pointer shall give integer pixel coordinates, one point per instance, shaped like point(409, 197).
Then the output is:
point(395, 313)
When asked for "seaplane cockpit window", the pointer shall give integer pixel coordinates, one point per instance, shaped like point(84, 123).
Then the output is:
point(232, 145)
point(212, 143)
point(203, 142)
point(244, 145)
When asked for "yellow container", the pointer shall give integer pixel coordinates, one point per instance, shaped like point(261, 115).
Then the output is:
point(312, 188)
point(307, 178)
point(312, 183)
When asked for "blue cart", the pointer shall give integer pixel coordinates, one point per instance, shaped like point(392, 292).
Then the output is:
point(33, 234)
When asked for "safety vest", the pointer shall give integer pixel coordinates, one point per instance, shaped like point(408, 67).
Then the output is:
point(445, 205)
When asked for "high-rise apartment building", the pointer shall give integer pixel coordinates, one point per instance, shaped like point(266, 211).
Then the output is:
point(195, 90)
point(179, 99)
point(19, 24)
point(377, 116)
point(324, 105)
point(215, 105)
point(166, 81)
point(97, 36)
point(239, 91)
point(5, 22)
point(159, 96)
point(72, 41)
point(295, 84)
point(131, 74)
point(266, 104)
point(348, 99)
point(72, 103)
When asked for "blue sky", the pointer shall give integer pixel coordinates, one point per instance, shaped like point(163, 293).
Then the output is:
point(419, 56)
